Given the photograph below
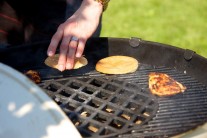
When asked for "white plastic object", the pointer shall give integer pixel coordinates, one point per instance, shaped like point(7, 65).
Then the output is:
point(27, 112)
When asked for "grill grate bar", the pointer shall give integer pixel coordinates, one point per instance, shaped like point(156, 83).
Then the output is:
point(163, 114)
point(197, 100)
point(176, 119)
point(183, 104)
point(165, 130)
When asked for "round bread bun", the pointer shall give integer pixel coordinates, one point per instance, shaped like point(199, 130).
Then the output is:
point(53, 62)
point(117, 65)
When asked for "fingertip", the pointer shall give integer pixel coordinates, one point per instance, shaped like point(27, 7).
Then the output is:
point(54, 43)
point(51, 50)
point(69, 66)
point(61, 67)
point(78, 55)
point(50, 53)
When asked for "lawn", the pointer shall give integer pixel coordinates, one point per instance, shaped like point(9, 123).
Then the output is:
point(181, 23)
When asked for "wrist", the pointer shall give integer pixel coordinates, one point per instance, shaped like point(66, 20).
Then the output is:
point(93, 3)
point(100, 3)
point(104, 3)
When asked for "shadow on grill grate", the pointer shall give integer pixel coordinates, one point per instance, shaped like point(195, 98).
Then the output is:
point(103, 106)
point(122, 106)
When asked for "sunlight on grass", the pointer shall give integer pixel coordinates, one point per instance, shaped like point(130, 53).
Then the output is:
point(178, 23)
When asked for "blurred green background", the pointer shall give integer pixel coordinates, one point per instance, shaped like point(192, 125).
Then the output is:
point(180, 23)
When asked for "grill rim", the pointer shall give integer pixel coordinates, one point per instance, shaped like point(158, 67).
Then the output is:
point(184, 60)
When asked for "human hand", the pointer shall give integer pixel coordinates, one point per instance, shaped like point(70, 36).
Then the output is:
point(74, 32)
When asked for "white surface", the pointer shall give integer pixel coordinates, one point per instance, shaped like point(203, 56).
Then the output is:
point(27, 112)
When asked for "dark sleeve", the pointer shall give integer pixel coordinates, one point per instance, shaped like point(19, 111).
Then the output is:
point(43, 16)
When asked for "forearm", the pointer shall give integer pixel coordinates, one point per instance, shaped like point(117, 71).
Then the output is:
point(89, 10)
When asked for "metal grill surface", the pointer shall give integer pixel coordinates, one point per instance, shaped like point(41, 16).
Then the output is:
point(103, 106)
point(111, 110)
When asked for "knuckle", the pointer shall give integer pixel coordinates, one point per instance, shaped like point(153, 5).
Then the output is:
point(73, 45)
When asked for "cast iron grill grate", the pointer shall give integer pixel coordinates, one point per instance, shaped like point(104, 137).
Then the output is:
point(102, 106)
point(176, 114)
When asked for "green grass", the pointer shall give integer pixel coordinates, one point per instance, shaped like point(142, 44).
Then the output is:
point(181, 23)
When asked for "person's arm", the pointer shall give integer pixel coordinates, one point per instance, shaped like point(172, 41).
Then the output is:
point(81, 25)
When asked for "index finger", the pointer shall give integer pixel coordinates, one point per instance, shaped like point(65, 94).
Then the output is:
point(54, 42)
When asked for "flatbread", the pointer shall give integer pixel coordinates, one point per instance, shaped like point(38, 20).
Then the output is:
point(117, 65)
point(163, 85)
point(53, 62)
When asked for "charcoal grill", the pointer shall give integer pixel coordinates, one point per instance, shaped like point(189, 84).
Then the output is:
point(102, 105)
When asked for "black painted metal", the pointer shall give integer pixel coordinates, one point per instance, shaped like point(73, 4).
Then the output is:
point(176, 114)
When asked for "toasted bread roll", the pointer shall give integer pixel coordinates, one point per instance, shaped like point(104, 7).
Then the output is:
point(117, 65)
